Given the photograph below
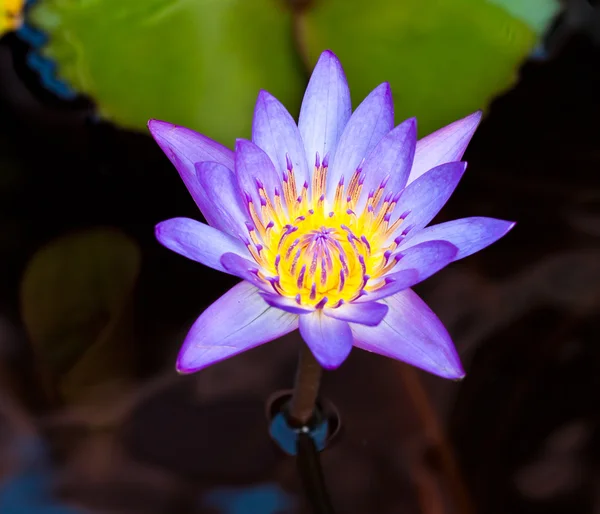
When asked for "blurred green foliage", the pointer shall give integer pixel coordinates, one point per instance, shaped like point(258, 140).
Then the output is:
point(76, 305)
point(194, 63)
point(201, 63)
point(443, 58)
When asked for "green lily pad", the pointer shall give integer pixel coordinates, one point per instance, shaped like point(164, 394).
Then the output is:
point(76, 305)
point(198, 63)
point(443, 58)
point(538, 14)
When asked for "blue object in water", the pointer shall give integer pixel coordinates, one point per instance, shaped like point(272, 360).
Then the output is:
point(286, 436)
point(29, 490)
point(43, 66)
point(261, 498)
point(47, 72)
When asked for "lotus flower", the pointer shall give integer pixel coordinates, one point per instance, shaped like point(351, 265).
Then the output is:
point(326, 223)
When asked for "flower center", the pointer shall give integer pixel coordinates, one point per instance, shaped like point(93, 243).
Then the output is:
point(320, 254)
point(320, 263)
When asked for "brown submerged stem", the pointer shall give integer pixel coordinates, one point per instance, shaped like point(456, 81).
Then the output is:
point(306, 388)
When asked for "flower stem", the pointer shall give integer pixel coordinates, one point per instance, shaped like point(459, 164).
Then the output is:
point(306, 388)
point(311, 474)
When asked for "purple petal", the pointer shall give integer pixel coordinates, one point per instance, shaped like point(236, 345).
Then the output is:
point(184, 148)
point(236, 322)
point(198, 241)
point(412, 333)
point(330, 340)
point(326, 108)
point(253, 166)
point(425, 259)
point(391, 160)
point(224, 197)
point(190, 146)
point(275, 131)
point(469, 235)
point(448, 144)
point(199, 194)
point(287, 304)
point(423, 198)
point(395, 282)
point(371, 121)
point(245, 269)
point(369, 313)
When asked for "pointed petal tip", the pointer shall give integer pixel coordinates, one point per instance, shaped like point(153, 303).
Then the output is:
point(329, 366)
point(329, 55)
point(241, 143)
point(411, 129)
point(409, 125)
point(466, 126)
point(452, 369)
point(456, 375)
point(199, 166)
point(242, 146)
point(159, 230)
point(450, 250)
point(509, 225)
point(470, 121)
point(158, 128)
point(183, 365)
point(186, 366)
point(461, 167)
point(329, 339)
point(327, 60)
point(383, 89)
point(460, 377)
point(475, 116)
point(263, 94)
point(154, 123)
point(181, 370)
point(263, 100)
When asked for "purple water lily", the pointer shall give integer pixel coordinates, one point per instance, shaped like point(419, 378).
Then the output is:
point(326, 223)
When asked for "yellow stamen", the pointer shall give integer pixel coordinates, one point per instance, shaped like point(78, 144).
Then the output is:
point(319, 252)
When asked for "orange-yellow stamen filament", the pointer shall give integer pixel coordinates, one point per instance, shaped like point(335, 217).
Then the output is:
point(321, 252)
